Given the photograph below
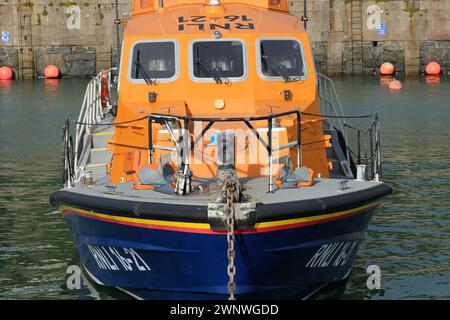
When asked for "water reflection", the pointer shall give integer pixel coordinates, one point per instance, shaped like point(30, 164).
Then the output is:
point(51, 85)
point(408, 237)
point(432, 79)
point(5, 86)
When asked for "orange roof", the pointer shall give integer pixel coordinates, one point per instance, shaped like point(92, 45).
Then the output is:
point(182, 20)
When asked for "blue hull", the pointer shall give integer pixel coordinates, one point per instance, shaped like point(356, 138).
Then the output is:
point(167, 264)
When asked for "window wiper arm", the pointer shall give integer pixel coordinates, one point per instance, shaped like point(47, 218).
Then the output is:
point(210, 72)
point(141, 69)
point(280, 70)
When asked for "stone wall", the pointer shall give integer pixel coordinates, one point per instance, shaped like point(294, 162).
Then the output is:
point(362, 34)
point(435, 50)
point(71, 60)
point(347, 36)
point(77, 36)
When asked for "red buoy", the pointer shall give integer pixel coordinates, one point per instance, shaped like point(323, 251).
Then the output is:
point(387, 68)
point(6, 73)
point(395, 85)
point(51, 72)
point(433, 68)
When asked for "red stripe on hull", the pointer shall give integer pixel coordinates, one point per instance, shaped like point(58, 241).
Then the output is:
point(205, 231)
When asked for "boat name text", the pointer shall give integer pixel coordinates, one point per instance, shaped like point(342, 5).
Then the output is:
point(115, 259)
point(201, 23)
point(332, 254)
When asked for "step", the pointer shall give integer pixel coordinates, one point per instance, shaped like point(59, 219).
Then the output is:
point(100, 139)
point(27, 74)
point(98, 171)
point(100, 155)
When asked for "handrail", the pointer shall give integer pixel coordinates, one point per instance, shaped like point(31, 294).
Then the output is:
point(331, 105)
point(370, 139)
point(158, 118)
point(67, 157)
point(92, 111)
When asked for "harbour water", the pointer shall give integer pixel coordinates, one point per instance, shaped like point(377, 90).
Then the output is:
point(409, 238)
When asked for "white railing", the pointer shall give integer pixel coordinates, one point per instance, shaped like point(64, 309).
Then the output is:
point(93, 110)
point(368, 146)
point(330, 105)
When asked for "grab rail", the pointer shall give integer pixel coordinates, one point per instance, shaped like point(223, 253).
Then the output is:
point(182, 144)
point(331, 105)
point(331, 109)
point(93, 110)
point(368, 142)
point(67, 157)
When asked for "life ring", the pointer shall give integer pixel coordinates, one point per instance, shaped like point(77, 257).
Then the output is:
point(104, 90)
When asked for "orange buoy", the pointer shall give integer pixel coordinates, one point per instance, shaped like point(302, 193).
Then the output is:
point(6, 73)
point(51, 72)
point(433, 68)
point(387, 68)
point(395, 85)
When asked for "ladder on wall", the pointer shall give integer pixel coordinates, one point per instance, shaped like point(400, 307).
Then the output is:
point(26, 55)
point(357, 47)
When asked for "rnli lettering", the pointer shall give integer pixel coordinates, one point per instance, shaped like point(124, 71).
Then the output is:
point(333, 254)
point(230, 22)
point(112, 258)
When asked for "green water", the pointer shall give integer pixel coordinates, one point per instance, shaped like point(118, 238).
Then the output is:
point(409, 238)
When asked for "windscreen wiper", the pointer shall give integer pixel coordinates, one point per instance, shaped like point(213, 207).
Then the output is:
point(140, 68)
point(281, 71)
point(287, 77)
point(209, 72)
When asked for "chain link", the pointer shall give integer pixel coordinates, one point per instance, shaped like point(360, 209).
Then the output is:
point(231, 189)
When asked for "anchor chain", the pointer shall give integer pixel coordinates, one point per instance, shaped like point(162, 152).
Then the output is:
point(231, 194)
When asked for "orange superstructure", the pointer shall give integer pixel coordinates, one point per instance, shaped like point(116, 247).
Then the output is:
point(162, 72)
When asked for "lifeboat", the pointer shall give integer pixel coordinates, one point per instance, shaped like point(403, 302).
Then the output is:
point(218, 164)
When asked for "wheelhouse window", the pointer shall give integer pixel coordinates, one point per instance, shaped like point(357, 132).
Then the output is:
point(218, 60)
point(153, 60)
point(281, 59)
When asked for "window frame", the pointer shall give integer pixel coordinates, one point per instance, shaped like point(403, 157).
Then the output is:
point(160, 80)
point(278, 78)
point(211, 80)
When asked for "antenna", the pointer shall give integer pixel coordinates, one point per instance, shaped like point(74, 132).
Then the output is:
point(117, 23)
point(305, 16)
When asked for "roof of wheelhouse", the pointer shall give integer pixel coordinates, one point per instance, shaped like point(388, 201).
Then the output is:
point(265, 15)
point(143, 6)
